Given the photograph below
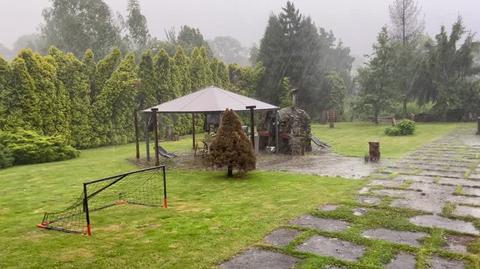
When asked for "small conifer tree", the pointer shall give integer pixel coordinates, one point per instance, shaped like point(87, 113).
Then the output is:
point(231, 147)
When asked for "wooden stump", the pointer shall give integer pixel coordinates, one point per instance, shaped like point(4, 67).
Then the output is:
point(374, 151)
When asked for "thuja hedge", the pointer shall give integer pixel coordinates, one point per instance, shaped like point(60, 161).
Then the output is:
point(27, 147)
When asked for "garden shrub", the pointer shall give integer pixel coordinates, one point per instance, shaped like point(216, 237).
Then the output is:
point(6, 157)
point(405, 127)
point(392, 131)
point(29, 147)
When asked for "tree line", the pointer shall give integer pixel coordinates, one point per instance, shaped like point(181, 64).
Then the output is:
point(407, 66)
point(91, 103)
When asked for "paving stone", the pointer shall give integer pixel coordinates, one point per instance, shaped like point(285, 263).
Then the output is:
point(432, 189)
point(402, 261)
point(390, 183)
point(399, 237)
point(261, 259)
point(416, 178)
point(458, 243)
point(281, 237)
point(471, 191)
point(458, 181)
point(369, 200)
point(359, 211)
point(466, 211)
point(364, 190)
point(444, 223)
point(329, 225)
point(328, 207)
point(465, 200)
point(442, 263)
point(332, 247)
point(425, 204)
point(474, 176)
point(397, 193)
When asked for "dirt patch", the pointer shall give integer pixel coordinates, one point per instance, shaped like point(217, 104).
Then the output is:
point(458, 243)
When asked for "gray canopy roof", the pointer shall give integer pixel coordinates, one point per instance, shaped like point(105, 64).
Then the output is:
point(210, 99)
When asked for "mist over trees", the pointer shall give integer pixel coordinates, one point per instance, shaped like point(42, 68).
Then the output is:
point(294, 47)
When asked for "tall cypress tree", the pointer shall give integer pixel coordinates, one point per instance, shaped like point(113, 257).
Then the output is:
point(198, 70)
point(91, 70)
point(74, 76)
point(163, 72)
point(105, 69)
point(53, 99)
point(5, 77)
point(146, 73)
point(182, 63)
point(22, 101)
point(116, 103)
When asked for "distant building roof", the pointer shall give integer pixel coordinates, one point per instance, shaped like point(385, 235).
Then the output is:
point(210, 99)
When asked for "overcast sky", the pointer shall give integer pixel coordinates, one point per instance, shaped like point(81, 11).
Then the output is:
point(355, 22)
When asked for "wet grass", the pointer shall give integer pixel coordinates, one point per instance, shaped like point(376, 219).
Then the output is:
point(351, 139)
point(210, 217)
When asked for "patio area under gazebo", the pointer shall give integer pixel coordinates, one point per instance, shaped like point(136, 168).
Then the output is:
point(211, 102)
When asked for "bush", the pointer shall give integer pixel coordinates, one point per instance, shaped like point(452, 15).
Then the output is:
point(405, 127)
point(6, 157)
point(392, 131)
point(29, 147)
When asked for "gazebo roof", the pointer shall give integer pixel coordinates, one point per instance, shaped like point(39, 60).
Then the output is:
point(210, 99)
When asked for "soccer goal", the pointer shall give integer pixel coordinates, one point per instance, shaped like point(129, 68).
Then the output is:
point(146, 187)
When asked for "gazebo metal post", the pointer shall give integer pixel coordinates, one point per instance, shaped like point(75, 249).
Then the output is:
point(252, 124)
point(155, 130)
point(147, 136)
point(193, 131)
point(276, 131)
point(137, 145)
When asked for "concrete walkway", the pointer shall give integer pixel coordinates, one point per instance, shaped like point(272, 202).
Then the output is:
point(439, 182)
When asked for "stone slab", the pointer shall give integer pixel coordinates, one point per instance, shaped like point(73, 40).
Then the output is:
point(329, 225)
point(369, 200)
point(261, 259)
point(442, 263)
point(328, 207)
point(359, 211)
point(471, 191)
point(402, 261)
point(332, 247)
point(390, 183)
point(458, 243)
point(421, 203)
point(467, 211)
point(398, 237)
point(432, 221)
point(281, 237)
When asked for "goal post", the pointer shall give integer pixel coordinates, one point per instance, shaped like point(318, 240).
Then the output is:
point(147, 187)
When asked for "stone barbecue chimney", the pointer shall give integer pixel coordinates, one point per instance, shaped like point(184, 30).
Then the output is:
point(294, 97)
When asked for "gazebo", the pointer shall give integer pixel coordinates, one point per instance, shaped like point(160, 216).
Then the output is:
point(204, 101)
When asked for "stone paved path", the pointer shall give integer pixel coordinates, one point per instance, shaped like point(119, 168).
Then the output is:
point(440, 183)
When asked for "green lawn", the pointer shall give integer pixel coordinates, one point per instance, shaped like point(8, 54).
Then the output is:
point(210, 218)
point(351, 139)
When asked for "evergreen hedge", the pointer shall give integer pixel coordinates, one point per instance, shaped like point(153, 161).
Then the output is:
point(27, 147)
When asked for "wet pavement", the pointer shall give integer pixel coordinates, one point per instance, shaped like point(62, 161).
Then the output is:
point(440, 181)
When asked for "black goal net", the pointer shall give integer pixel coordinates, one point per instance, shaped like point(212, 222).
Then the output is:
point(142, 187)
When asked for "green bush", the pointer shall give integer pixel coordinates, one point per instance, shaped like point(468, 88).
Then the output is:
point(6, 157)
point(29, 147)
point(405, 127)
point(392, 131)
